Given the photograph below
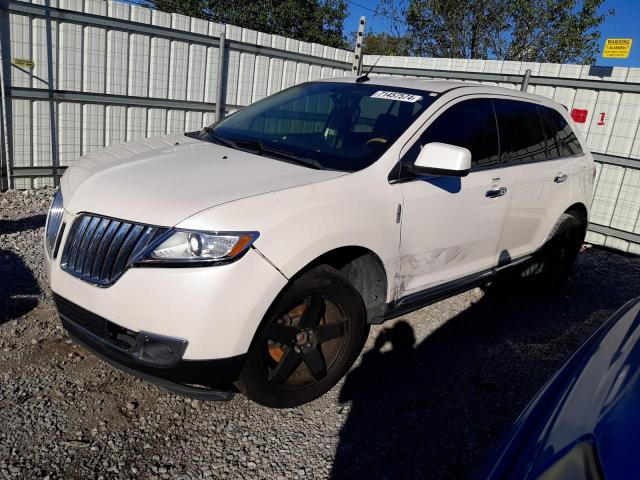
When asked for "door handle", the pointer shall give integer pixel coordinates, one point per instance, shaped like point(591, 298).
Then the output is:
point(560, 178)
point(496, 192)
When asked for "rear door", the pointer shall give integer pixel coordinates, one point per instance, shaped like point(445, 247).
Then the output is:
point(581, 171)
point(540, 173)
point(451, 225)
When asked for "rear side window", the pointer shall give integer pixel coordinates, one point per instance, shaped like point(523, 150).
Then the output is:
point(522, 138)
point(470, 124)
point(566, 139)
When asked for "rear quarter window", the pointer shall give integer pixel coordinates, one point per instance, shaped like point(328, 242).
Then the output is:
point(565, 137)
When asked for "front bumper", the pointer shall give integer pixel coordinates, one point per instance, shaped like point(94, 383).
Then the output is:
point(157, 359)
point(216, 309)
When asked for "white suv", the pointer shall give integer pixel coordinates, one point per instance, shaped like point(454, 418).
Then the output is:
point(254, 255)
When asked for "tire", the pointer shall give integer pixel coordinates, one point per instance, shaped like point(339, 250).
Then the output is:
point(555, 260)
point(307, 342)
point(551, 266)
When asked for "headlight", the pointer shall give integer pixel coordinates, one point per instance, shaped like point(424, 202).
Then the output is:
point(581, 462)
point(189, 248)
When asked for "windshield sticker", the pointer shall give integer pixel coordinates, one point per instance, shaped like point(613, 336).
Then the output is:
point(399, 96)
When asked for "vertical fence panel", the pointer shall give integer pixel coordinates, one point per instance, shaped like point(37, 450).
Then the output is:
point(626, 126)
point(116, 125)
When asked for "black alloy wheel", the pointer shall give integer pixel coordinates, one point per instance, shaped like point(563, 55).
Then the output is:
point(315, 334)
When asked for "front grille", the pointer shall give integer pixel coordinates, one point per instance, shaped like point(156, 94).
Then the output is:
point(54, 221)
point(99, 250)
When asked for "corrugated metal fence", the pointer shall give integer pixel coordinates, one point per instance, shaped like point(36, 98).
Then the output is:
point(78, 75)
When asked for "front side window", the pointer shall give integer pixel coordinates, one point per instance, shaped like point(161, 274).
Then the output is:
point(327, 125)
point(522, 138)
point(470, 124)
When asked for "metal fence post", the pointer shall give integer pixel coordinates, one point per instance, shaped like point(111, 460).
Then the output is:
point(5, 106)
point(53, 120)
point(357, 52)
point(525, 80)
point(222, 75)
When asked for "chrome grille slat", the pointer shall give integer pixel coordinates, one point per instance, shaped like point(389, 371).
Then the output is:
point(114, 248)
point(86, 241)
point(127, 246)
point(99, 250)
point(93, 246)
point(102, 249)
point(76, 236)
point(54, 222)
point(144, 239)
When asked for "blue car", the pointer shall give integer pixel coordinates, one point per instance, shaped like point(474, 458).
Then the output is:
point(585, 422)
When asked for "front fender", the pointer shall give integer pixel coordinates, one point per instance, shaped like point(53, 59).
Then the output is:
point(299, 224)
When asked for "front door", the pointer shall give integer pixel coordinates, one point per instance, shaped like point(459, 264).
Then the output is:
point(451, 225)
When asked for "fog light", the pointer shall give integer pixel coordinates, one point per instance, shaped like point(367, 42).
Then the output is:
point(157, 350)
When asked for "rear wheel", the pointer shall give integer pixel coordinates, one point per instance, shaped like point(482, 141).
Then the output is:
point(308, 341)
point(554, 262)
point(558, 255)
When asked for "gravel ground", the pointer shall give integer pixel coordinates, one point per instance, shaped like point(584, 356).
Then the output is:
point(429, 403)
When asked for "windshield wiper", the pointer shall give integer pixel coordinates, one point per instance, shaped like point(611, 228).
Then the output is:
point(258, 146)
point(221, 140)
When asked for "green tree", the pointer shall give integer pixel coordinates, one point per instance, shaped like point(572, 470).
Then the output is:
point(393, 40)
point(385, 44)
point(319, 21)
point(562, 31)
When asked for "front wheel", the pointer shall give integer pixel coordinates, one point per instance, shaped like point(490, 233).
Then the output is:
point(308, 341)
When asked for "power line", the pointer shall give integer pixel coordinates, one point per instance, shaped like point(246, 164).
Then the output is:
point(148, 4)
point(362, 6)
point(375, 12)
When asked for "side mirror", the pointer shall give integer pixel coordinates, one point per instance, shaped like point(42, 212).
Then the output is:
point(442, 159)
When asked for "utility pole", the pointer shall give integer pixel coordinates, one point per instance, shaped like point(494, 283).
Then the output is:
point(222, 75)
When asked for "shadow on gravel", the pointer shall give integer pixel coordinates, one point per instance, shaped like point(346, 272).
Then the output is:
point(30, 223)
point(435, 409)
point(19, 289)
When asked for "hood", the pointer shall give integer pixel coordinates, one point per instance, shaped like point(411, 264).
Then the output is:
point(163, 180)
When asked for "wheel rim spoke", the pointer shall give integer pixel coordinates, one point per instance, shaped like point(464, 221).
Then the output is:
point(315, 362)
point(281, 333)
point(330, 331)
point(285, 367)
point(314, 311)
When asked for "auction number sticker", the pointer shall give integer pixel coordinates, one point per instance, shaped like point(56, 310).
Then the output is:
point(399, 96)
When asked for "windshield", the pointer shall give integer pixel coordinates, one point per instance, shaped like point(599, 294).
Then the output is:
point(338, 126)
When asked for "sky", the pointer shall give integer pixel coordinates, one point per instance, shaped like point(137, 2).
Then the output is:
point(625, 23)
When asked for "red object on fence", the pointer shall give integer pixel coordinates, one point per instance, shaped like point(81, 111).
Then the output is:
point(601, 122)
point(579, 115)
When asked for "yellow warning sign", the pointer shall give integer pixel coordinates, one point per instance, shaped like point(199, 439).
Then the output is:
point(23, 63)
point(617, 48)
